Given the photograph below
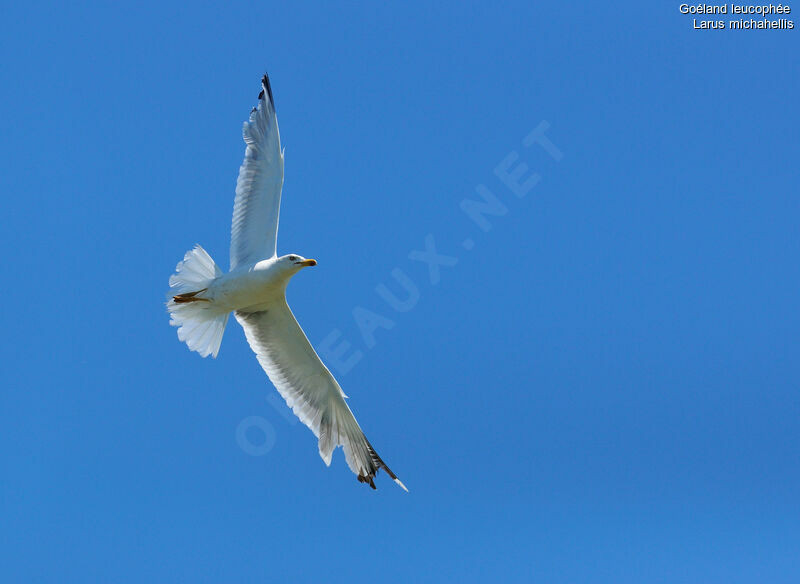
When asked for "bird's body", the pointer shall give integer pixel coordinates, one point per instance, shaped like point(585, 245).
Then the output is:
point(203, 297)
point(249, 288)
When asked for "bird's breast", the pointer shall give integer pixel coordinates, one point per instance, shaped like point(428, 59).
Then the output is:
point(243, 289)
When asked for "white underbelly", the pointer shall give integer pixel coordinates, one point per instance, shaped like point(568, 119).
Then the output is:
point(241, 290)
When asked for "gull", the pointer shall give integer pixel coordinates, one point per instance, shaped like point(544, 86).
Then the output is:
point(202, 298)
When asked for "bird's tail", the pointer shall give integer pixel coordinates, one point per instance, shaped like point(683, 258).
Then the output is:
point(200, 324)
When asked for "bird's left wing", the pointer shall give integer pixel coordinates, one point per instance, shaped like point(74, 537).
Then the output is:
point(254, 229)
point(309, 388)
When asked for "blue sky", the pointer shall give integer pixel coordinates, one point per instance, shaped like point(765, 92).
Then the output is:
point(602, 389)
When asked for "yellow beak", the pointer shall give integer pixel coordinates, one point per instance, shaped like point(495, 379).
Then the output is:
point(308, 263)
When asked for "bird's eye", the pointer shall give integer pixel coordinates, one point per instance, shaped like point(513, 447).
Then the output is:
point(293, 258)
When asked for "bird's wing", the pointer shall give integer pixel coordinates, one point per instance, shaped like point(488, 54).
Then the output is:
point(254, 229)
point(309, 388)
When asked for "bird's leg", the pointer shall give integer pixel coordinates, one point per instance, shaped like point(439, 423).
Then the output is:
point(190, 297)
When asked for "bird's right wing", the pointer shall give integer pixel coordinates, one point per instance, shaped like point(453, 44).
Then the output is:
point(254, 229)
point(309, 388)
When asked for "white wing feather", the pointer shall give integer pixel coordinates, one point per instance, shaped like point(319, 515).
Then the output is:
point(254, 229)
point(309, 388)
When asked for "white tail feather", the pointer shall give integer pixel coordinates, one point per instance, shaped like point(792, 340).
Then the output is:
point(200, 325)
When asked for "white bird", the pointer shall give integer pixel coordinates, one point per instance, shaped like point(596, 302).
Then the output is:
point(202, 298)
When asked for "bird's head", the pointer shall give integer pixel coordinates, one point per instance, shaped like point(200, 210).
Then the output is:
point(295, 263)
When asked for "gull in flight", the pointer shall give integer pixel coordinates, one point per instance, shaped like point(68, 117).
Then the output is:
point(202, 298)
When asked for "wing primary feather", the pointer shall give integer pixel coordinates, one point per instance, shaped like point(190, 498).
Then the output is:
point(266, 86)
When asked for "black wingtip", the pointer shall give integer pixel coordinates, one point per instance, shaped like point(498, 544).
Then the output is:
point(376, 466)
point(368, 480)
point(266, 86)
